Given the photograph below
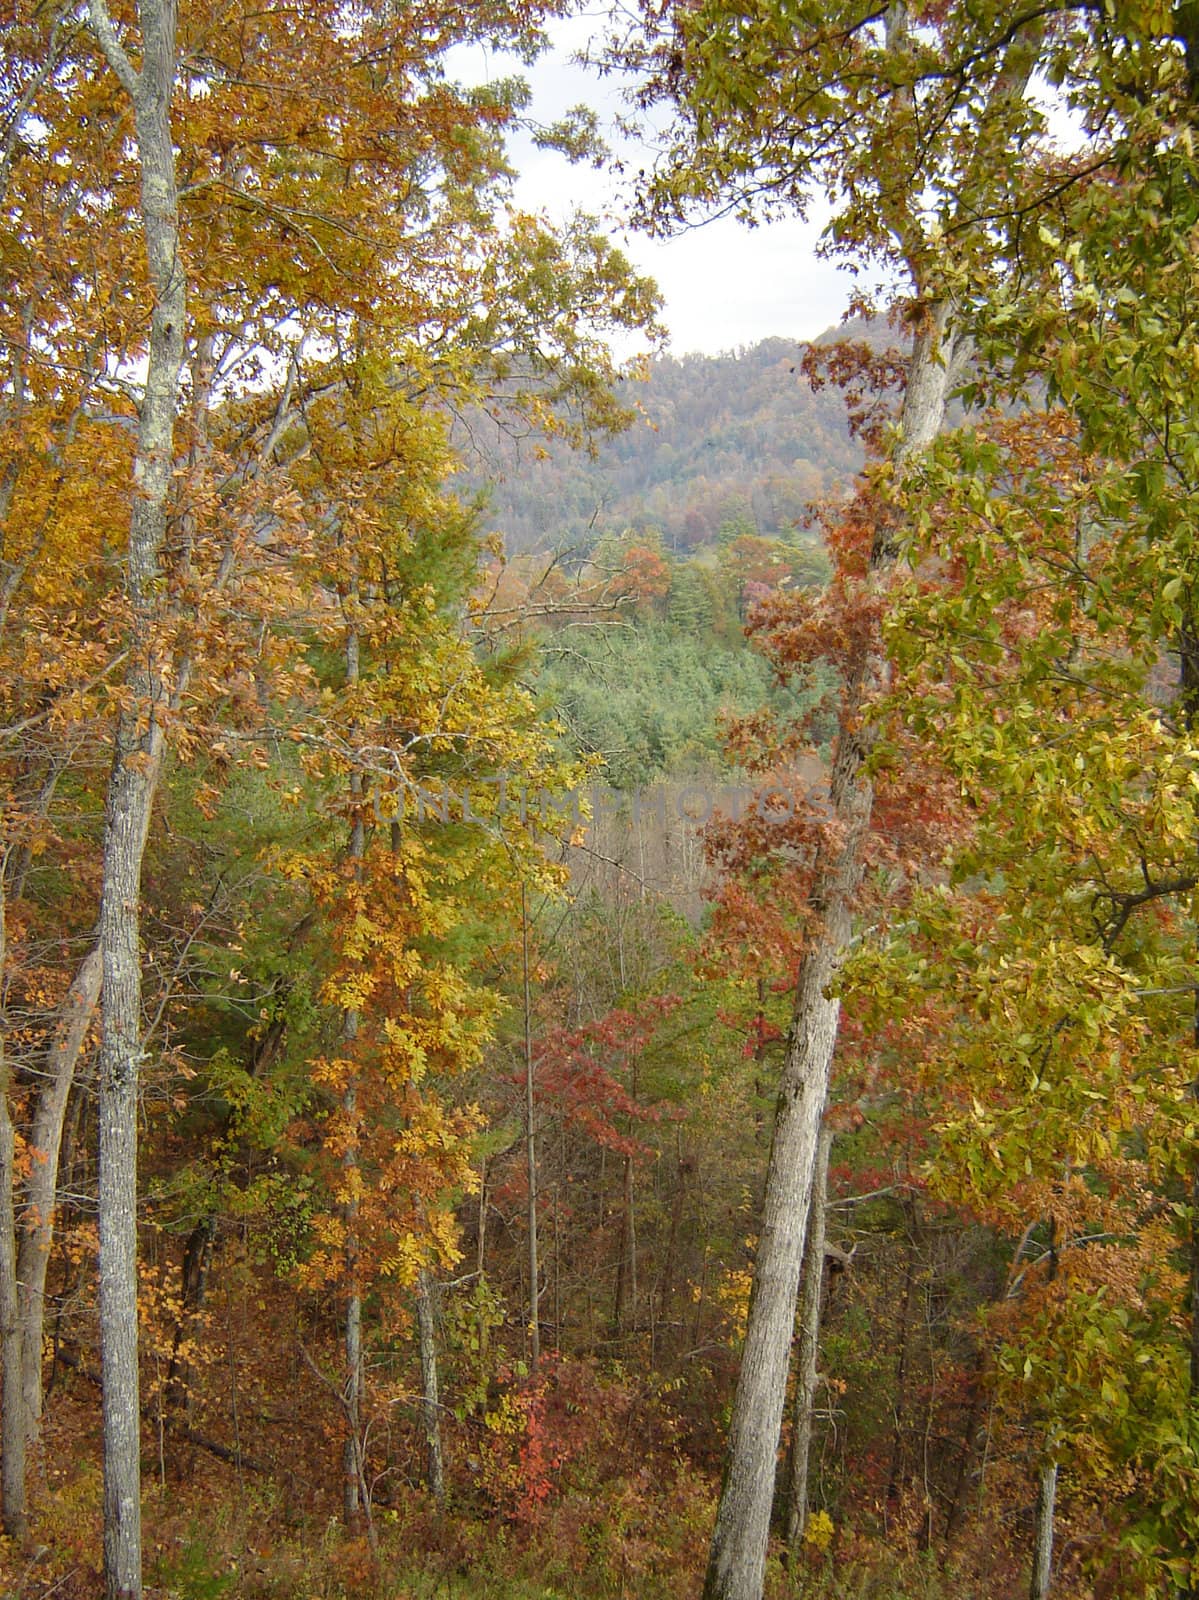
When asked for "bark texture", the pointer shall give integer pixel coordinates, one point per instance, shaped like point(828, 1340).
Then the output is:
point(13, 1439)
point(12, 1470)
point(37, 1234)
point(137, 760)
point(1042, 1560)
point(353, 1466)
point(807, 1376)
point(426, 1319)
point(15, 1517)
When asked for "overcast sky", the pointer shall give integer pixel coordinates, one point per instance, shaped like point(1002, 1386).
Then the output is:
point(724, 284)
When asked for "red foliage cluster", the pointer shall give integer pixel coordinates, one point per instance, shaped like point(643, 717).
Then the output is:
point(871, 382)
point(576, 1073)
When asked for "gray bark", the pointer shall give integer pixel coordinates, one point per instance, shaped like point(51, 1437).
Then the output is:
point(352, 1464)
point(137, 758)
point(12, 1441)
point(37, 1233)
point(807, 1376)
point(15, 1517)
point(1042, 1560)
point(354, 1468)
point(426, 1319)
point(737, 1560)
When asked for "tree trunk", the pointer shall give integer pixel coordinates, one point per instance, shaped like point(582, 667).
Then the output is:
point(626, 1273)
point(530, 1143)
point(197, 1259)
point(37, 1234)
point(666, 1284)
point(809, 1350)
point(894, 1471)
point(426, 1317)
point(1042, 1560)
point(16, 1522)
point(625, 1317)
point(12, 1441)
point(737, 1560)
point(129, 803)
point(1194, 1271)
point(353, 1465)
point(137, 757)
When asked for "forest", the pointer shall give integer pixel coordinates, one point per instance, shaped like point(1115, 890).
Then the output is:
point(597, 954)
point(737, 438)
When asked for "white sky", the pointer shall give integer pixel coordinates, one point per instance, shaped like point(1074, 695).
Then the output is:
point(724, 284)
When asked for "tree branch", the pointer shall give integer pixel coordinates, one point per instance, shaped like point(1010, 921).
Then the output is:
point(114, 50)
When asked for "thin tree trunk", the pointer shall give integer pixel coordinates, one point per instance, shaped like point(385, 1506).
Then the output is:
point(1042, 1561)
point(626, 1274)
point(901, 1367)
point(137, 758)
point(626, 1271)
point(197, 1260)
point(737, 1560)
point(426, 1317)
point(1192, 693)
point(12, 1442)
point(530, 1142)
point(37, 1233)
point(807, 1376)
point(666, 1281)
point(965, 1458)
point(16, 1522)
point(353, 1466)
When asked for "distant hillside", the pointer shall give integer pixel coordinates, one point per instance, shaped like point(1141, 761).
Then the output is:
point(738, 438)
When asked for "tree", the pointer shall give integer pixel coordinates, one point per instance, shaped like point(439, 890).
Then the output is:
point(275, 233)
point(137, 757)
point(1052, 650)
point(891, 114)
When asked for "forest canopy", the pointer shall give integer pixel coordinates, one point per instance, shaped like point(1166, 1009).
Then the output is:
point(597, 982)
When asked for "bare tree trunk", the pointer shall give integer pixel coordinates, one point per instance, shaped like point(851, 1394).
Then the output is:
point(738, 1556)
point(626, 1272)
point(901, 1364)
point(807, 1376)
point(16, 1522)
point(683, 1168)
point(137, 758)
point(12, 1442)
point(1042, 1560)
point(130, 800)
point(426, 1317)
point(197, 1260)
point(530, 1143)
point(737, 1560)
point(353, 1465)
point(37, 1233)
